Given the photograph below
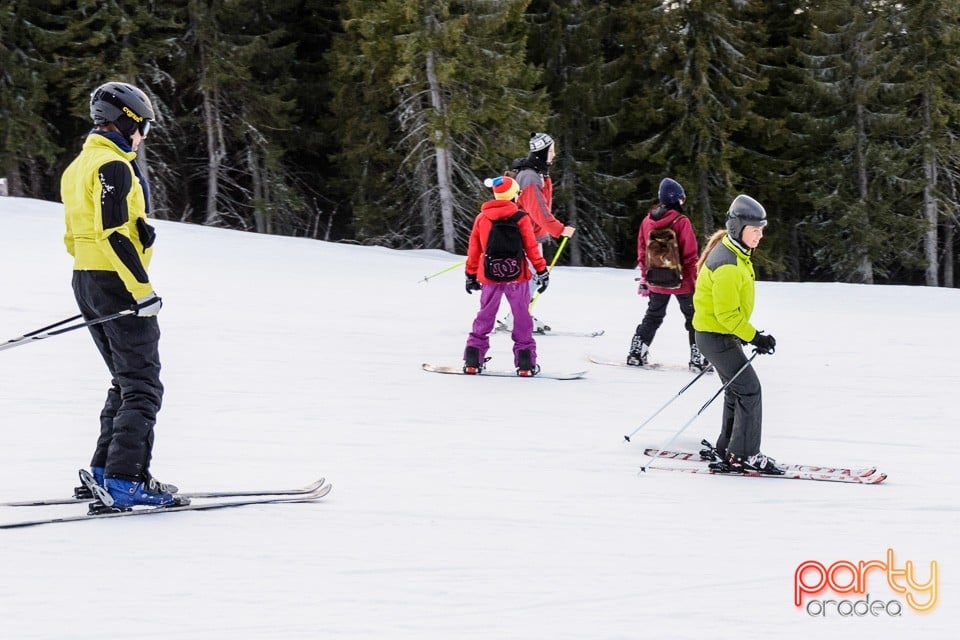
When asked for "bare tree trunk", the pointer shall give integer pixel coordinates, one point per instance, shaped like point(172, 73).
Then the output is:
point(706, 211)
point(930, 216)
point(866, 264)
point(14, 179)
point(260, 220)
point(442, 156)
point(949, 231)
point(427, 217)
point(215, 153)
point(929, 199)
point(568, 183)
point(948, 235)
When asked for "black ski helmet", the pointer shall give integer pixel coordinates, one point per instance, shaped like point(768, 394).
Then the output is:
point(122, 104)
point(744, 211)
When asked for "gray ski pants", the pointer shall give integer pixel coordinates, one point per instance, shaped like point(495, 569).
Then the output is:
point(742, 406)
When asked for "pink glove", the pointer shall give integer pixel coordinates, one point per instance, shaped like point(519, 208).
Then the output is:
point(642, 289)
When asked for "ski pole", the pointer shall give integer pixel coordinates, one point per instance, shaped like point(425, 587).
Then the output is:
point(49, 326)
point(563, 243)
point(43, 332)
point(697, 414)
point(668, 403)
point(443, 271)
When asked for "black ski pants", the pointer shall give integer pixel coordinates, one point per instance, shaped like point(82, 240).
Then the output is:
point(657, 311)
point(129, 346)
point(740, 428)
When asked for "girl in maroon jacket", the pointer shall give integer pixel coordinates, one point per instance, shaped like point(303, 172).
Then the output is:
point(492, 288)
point(667, 213)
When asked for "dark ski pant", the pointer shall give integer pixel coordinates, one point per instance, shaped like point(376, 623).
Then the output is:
point(129, 346)
point(657, 311)
point(742, 403)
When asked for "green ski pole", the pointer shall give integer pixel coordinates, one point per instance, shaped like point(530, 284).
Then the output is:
point(443, 271)
point(563, 243)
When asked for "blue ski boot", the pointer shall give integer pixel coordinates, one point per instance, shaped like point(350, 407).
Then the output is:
point(129, 493)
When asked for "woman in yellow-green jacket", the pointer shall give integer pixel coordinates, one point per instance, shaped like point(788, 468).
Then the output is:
point(723, 302)
point(106, 200)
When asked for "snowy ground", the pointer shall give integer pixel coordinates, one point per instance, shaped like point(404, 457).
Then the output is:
point(463, 507)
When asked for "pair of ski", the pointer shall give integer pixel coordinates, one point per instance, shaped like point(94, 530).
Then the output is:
point(652, 366)
point(502, 328)
point(216, 500)
point(697, 463)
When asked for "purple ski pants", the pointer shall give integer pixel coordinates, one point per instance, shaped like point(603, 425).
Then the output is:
point(518, 296)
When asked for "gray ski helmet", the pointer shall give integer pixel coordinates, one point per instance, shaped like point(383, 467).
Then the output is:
point(670, 192)
point(744, 211)
point(123, 104)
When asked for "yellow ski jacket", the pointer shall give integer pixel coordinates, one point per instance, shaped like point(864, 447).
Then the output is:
point(105, 213)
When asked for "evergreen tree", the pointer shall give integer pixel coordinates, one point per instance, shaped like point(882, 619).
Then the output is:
point(772, 142)
point(931, 46)
point(697, 74)
point(428, 93)
point(857, 130)
point(583, 66)
point(309, 142)
point(29, 113)
point(235, 85)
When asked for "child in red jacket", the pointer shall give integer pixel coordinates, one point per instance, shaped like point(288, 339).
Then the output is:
point(515, 286)
point(667, 213)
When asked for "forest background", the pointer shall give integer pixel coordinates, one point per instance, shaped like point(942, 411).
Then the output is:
point(376, 121)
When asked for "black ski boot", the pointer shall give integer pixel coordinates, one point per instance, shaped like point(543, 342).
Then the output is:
point(525, 366)
point(697, 362)
point(471, 361)
point(639, 352)
point(757, 462)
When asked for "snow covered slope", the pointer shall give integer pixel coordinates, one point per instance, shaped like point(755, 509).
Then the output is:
point(462, 507)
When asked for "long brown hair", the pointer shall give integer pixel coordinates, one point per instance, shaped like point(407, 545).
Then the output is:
point(715, 239)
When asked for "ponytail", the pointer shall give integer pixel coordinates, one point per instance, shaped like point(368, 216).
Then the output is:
point(714, 240)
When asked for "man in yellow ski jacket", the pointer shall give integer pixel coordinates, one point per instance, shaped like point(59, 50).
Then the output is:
point(106, 200)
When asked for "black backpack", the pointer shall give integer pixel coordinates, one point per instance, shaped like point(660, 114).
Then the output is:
point(504, 256)
point(663, 267)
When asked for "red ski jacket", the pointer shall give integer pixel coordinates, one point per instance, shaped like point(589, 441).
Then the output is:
point(498, 210)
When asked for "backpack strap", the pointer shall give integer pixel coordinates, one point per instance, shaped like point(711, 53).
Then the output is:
point(675, 221)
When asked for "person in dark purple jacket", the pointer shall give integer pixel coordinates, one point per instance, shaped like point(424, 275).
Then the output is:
point(668, 212)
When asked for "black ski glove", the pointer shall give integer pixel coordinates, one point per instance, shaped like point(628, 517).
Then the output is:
point(543, 281)
point(472, 284)
point(765, 344)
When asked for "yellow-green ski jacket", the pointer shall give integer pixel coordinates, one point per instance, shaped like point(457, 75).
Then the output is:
point(105, 212)
point(724, 295)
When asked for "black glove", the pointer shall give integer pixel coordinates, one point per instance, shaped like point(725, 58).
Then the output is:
point(765, 344)
point(543, 281)
point(472, 284)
